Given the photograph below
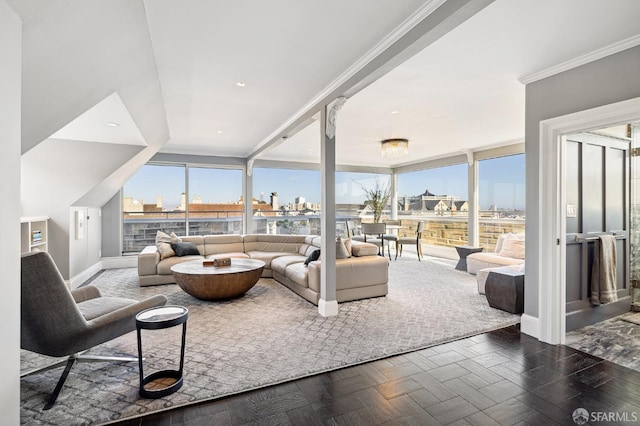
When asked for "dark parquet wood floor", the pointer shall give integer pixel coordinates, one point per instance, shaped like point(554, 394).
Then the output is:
point(498, 378)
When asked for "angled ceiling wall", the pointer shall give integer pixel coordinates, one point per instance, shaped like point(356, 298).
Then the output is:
point(75, 55)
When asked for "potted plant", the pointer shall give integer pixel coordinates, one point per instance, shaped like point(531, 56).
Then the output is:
point(377, 198)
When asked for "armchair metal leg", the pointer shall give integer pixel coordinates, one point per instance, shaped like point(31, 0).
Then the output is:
point(72, 359)
point(63, 378)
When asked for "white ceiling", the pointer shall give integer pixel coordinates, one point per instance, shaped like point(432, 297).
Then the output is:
point(461, 92)
point(118, 129)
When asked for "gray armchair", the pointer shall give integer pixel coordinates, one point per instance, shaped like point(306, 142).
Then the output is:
point(62, 323)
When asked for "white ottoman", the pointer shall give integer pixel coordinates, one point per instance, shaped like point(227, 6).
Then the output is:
point(481, 276)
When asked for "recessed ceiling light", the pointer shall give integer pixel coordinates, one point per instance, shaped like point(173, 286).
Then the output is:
point(241, 84)
point(395, 112)
point(219, 132)
point(112, 124)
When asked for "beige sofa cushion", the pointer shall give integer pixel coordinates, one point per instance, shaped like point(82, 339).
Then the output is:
point(503, 237)
point(164, 267)
point(267, 256)
point(298, 273)
point(353, 272)
point(148, 261)
point(512, 247)
point(359, 248)
point(273, 243)
point(478, 261)
point(281, 263)
point(228, 243)
point(234, 255)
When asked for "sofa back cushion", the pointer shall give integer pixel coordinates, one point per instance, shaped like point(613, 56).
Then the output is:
point(503, 237)
point(198, 240)
point(512, 247)
point(228, 243)
point(273, 243)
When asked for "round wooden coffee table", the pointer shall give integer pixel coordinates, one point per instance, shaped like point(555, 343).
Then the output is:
point(217, 282)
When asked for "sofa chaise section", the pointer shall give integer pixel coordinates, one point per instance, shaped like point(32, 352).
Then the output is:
point(509, 251)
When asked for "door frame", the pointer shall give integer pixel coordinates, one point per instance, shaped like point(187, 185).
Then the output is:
point(551, 209)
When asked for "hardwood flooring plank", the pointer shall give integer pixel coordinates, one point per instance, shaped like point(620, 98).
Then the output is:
point(451, 410)
point(399, 387)
point(501, 377)
point(408, 407)
point(470, 394)
point(434, 386)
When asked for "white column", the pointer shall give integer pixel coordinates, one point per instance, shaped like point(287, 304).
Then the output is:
point(394, 195)
point(473, 224)
point(328, 305)
point(247, 197)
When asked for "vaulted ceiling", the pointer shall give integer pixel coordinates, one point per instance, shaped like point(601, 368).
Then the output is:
point(232, 77)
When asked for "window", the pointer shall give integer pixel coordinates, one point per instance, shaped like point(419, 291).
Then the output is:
point(153, 200)
point(286, 201)
point(501, 193)
point(439, 196)
point(159, 198)
point(501, 187)
point(352, 197)
point(215, 205)
point(434, 192)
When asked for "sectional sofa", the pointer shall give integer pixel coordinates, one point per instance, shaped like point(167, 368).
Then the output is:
point(362, 275)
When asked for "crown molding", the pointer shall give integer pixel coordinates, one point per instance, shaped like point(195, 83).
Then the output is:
point(581, 60)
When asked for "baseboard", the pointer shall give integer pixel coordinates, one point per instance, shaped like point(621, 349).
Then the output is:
point(530, 325)
point(119, 262)
point(83, 276)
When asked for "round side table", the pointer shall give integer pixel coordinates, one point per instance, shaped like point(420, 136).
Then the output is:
point(164, 382)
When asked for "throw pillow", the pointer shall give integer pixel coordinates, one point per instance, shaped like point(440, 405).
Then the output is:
point(163, 243)
point(347, 244)
point(185, 249)
point(513, 248)
point(315, 255)
point(341, 250)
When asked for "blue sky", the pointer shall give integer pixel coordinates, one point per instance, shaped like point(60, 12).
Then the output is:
point(501, 183)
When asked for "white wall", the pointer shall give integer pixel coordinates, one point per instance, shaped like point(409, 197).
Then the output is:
point(612, 79)
point(84, 253)
point(74, 55)
point(55, 175)
point(10, 84)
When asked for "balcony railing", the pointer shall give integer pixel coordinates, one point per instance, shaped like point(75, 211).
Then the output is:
point(447, 231)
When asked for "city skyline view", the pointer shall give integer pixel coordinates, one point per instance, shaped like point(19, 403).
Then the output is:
point(501, 184)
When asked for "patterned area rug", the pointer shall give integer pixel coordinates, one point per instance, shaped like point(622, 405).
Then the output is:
point(633, 318)
point(266, 337)
point(616, 340)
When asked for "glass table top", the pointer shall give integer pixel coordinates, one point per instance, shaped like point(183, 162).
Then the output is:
point(161, 314)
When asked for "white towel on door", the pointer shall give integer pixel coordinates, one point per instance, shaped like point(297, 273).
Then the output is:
point(604, 272)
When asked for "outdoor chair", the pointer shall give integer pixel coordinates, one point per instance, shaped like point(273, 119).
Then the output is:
point(354, 231)
point(413, 240)
point(392, 238)
point(60, 323)
point(377, 230)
